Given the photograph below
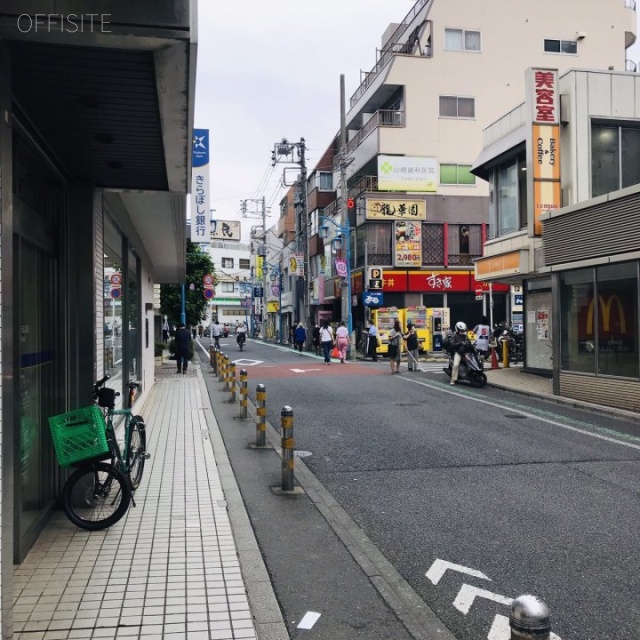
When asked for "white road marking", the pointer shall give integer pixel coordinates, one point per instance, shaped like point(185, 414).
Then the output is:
point(308, 620)
point(500, 630)
point(438, 568)
point(521, 411)
point(248, 363)
point(304, 370)
point(469, 593)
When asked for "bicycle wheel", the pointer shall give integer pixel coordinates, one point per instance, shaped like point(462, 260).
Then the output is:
point(137, 450)
point(362, 346)
point(96, 496)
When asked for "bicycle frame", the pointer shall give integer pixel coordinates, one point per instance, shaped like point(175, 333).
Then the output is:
point(120, 455)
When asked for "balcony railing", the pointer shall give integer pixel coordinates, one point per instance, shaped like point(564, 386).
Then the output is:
point(630, 65)
point(391, 49)
point(381, 118)
point(367, 183)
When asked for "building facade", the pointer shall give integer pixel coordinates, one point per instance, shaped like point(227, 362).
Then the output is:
point(566, 196)
point(95, 147)
point(414, 129)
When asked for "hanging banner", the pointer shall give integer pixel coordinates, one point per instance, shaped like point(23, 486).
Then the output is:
point(408, 244)
point(200, 188)
point(296, 264)
point(341, 268)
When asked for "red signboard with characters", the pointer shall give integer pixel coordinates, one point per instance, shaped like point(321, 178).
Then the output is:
point(545, 96)
point(394, 281)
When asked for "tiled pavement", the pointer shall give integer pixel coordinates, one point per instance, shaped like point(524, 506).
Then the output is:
point(169, 569)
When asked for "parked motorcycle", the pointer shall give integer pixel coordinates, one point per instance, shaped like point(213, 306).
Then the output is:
point(471, 367)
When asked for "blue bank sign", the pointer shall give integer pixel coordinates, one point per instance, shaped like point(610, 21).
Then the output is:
point(372, 298)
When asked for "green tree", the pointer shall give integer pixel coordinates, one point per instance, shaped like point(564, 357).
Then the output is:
point(199, 264)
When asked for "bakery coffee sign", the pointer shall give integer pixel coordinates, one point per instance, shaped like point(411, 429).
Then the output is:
point(544, 143)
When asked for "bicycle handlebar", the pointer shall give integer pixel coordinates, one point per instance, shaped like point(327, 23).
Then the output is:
point(99, 383)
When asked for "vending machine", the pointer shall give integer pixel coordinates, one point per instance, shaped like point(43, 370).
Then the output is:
point(384, 318)
point(439, 323)
point(417, 316)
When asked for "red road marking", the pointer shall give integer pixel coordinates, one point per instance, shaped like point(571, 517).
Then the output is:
point(316, 369)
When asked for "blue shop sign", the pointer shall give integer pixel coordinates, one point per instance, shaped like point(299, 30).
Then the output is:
point(372, 298)
point(518, 299)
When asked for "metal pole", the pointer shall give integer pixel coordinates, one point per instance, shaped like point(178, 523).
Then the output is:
point(261, 415)
point(232, 382)
point(244, 391)
point(491, 305)
point(183, 313)
point(263, 328)
point(212, 357)
point(529, 619)
point(280, 304)
point(287, 444)
point(505, 354)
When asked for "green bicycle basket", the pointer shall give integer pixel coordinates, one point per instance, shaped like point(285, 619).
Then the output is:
point(79, 435)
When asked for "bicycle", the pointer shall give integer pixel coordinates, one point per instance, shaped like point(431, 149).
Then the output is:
point(99, 492)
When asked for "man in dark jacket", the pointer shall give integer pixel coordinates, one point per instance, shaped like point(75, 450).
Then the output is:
point(183, 344)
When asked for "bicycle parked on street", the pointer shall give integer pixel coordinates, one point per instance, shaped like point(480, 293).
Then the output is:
point(99, 492)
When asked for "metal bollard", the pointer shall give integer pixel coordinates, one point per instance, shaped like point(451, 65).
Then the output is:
point(529, 619)
point(261, 415)
point(232, 381)
point(287, 444)
point(213, 354)
point(221, 367)
point(227, 375)
point(244, 392)
point(505, 354)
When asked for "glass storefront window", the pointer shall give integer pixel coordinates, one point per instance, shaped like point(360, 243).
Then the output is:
point(599, 320)
point(576, 340)
point(113, 295)
point(133, 318)
point(616, 320)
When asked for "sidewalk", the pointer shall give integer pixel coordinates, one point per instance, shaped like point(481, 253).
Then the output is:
point(170, 568)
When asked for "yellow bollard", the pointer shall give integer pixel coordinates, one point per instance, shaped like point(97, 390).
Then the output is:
point(505, 354)
point(232, 381)
point(287, 444)
point(244, 393)
point(261, 415)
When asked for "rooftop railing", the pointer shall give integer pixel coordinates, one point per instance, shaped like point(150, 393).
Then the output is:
point(630, 65)
point(389, 50)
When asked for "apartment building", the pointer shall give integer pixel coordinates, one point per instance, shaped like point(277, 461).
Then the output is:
point(564, 171)
point(414, 129)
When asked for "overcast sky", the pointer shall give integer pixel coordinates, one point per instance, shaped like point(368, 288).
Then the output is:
point(269, 70)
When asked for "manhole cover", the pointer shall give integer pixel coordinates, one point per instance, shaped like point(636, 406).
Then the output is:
point(302, 454)
point(515, 416)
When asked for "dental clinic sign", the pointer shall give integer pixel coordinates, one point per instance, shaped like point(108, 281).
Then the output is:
point(200, 188)
point(544, 142)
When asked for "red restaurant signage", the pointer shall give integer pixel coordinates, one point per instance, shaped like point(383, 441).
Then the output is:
point(436, 282)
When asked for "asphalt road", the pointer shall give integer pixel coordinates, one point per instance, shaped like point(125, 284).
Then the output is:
point(522, 496)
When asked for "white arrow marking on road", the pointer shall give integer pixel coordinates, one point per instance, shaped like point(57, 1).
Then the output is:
point(468, 594)
point(437, 569)
point(500, 630)
point(304, 370)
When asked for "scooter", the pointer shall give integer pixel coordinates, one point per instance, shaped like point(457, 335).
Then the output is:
point(240, 339)
point(471, 368)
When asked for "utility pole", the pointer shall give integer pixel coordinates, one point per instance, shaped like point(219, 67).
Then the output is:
point(264, 269)
point(344, 215)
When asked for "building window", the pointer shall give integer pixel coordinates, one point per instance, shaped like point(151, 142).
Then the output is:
point(464, 243)
point(461, 40)
point(227, 263)
point(456, 174)
point(456, 107)
point(561, 46)
point(244, 263)
point(228, 287)
point(508, 196)
point(599, 320)
point(325, 181)
point(615, 163)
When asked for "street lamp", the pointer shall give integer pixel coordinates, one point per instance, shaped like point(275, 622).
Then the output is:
point(343, 237)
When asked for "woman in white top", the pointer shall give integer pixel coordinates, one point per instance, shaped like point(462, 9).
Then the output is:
point(342, 341)
point(326, 340)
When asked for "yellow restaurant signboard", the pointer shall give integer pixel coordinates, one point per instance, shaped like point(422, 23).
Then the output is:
point(395, 209)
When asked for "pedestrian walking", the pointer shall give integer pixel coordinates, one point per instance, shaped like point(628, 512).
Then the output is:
point(483, 335)
point(372, 342)
point(413, 347)
point(395, 347)
point(342, 341)
point(316, 338)
point(326, 340)
point(165, 331)
point(216, 332)
point(183, 348)
point(300, 337)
